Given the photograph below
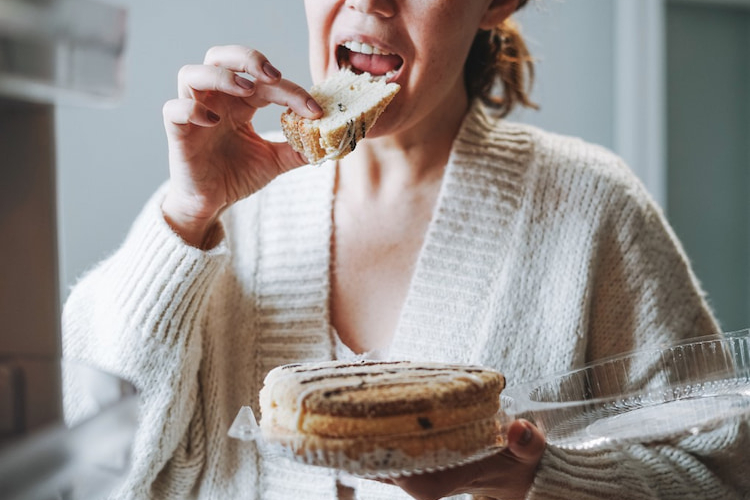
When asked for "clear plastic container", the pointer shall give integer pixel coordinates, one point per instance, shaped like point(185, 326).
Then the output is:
point(642, 396)
point(376, 463)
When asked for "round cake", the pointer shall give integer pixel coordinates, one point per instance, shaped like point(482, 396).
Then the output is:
point(376, 418)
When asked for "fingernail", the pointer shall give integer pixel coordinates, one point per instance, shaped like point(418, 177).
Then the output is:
point(314, 106)
point(272, 72)
point(526, 436)
point(213, 116)
point(243, 82)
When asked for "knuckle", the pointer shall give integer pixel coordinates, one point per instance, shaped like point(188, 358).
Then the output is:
point(184, 72)
point(172, 107)
point(166, 111)
point(211, 53)
point(251, 53)
point(254, 57)
point(167, 107)
point(174, 111)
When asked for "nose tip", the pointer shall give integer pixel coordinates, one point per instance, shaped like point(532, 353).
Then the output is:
point(382, 8)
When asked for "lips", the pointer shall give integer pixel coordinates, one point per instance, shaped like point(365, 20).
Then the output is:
point(366, 58)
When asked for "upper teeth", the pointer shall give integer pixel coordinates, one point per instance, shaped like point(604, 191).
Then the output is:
point(364, 48)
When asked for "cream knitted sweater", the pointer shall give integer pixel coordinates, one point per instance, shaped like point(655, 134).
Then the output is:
point(543, 253)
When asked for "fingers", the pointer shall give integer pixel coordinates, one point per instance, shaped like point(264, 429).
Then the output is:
point(185, 111)
point(201, 78)
point(243, 60)
point(222, 61)
point(526, 441)
point(289, 94)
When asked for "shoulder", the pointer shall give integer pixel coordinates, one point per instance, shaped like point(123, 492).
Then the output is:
point(565, 181)
point(578, 183)
point(563, 155)
point(585, 171)
point(551, 157)
point(592, 179)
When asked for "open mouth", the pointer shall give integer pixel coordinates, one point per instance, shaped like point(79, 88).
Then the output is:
point(365, 58)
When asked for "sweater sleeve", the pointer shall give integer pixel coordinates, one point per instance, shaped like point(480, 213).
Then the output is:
point(138, 315)
point(644, 294)
point(712, 464)
point(643, 290)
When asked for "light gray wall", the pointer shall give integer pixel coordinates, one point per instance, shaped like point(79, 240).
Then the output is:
point(709, 158)
point(110, 160)
point(573, 44)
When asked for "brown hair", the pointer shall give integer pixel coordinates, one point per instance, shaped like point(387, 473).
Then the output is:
point(500, 55)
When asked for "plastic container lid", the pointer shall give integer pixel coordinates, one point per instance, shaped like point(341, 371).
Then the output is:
point(642, 396)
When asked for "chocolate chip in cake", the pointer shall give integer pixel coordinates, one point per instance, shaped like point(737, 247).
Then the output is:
point(424, 422)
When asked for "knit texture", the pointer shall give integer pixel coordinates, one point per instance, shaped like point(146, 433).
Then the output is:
point(543, 253)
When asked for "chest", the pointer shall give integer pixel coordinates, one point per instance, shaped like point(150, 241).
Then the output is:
point(373, 259)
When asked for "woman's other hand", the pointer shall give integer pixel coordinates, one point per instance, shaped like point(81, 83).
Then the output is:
point(216, 158)
point(506, 475)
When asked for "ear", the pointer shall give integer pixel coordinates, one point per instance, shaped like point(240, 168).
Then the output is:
point(497, 12)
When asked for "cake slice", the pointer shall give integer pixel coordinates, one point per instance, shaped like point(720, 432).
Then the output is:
point(351, 104)
point(382, 418)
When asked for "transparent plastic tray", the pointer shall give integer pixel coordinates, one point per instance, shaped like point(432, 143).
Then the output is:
point(642, 396)
point(378, 463)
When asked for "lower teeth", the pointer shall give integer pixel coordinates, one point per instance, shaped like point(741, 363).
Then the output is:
point(386, 76)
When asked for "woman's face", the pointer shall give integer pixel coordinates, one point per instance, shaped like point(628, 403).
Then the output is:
point(419, 44)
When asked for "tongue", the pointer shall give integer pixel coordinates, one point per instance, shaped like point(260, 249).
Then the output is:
point(374, 64)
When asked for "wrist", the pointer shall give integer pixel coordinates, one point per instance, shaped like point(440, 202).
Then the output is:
point(200, 232)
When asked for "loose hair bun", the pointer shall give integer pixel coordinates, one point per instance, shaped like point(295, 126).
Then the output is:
point(500, 56)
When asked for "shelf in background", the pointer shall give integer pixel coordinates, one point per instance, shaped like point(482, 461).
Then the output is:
point(62, 51)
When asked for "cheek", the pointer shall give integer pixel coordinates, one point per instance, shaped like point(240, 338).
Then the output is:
point(456, 26)
point(444, 58)
point(317, 48)
point(320, 16)
point(317, 53)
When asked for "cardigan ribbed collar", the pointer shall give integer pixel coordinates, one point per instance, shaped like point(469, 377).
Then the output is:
point(466, 242)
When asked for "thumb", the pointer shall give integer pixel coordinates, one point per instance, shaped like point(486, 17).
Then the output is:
point(288, 158)
point(525, 441)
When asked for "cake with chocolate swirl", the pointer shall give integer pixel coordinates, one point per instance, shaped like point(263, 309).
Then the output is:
point(378, 418)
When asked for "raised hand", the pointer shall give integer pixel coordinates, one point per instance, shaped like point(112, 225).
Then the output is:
point(216, 158)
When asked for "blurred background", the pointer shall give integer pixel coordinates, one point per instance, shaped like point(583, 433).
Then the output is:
point(663, 83)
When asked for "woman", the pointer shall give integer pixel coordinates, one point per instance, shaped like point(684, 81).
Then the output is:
point(448, 235)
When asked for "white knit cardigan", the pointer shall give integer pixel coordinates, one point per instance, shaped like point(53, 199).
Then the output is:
point(543, 253)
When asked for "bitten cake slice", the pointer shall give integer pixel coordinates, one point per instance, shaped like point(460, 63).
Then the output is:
point(351, 104)
point(382, 418)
